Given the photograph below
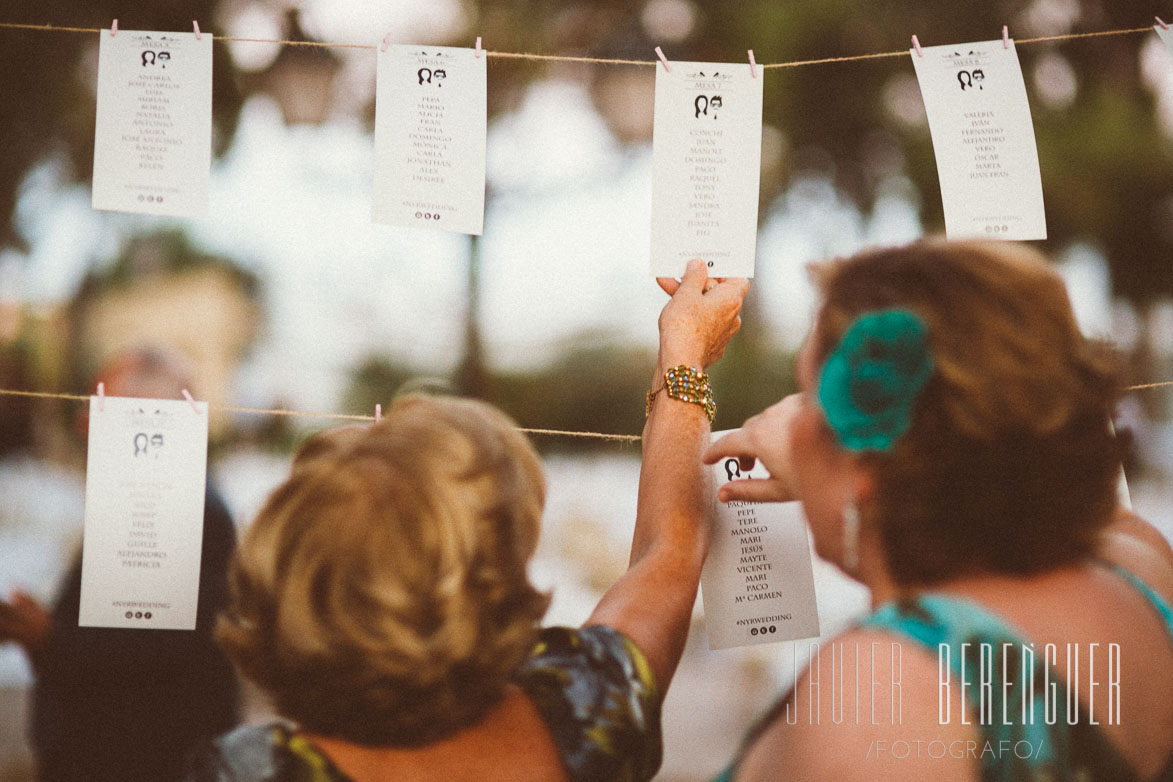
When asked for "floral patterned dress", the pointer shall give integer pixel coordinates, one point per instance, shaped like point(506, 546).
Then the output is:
point(593, 688)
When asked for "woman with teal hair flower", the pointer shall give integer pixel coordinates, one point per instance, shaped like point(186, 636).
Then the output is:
point(952, 451)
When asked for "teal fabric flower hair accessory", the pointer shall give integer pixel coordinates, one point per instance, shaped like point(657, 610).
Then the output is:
point(871, 381)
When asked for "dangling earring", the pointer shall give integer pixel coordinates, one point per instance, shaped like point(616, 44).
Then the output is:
point(851, 538)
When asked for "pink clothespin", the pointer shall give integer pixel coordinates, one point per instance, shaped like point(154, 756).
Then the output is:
point(916, 45)
point(663, 59)
point(1005, 36)
point(753, 65)
point(1161, 22)
point(190, 401)
point(386, 42)
point(478, 48)
point(114, 28)
point(378, 413)
point(196, 26)
point(101, 397)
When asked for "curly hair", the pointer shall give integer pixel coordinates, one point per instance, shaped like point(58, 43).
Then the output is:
point(381, 596)
point(1009, 464)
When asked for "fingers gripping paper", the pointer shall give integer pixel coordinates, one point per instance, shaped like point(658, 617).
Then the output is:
point(984, 140)
point(153, 139)
point(430, 126)
point(145, 481)
point(757, 584)
point(706, 163)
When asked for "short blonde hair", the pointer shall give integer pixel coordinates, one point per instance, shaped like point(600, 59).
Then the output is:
point(1009, 464)
point(381, 595)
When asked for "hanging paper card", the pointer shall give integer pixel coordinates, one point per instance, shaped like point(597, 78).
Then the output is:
point(430, 138)
point(1166, 36)
point(984, 140)
point(144, 516)
point(757, 583)
point(706, 162)
point(153, 144)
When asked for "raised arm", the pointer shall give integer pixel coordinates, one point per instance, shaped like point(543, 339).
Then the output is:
point(652, 602)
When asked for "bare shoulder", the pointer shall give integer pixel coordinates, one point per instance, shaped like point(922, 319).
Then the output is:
point(866, 708)
point(1134, 544)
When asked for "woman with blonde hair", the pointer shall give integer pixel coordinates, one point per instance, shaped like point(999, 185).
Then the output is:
point(381, 597)
point(951, 447)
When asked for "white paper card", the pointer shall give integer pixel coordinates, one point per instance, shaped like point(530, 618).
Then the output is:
point(153, 144)
point(145, 482)
point(430, 115)
point(1166, 36)
point(706, 163)
point(757, 584)
point(984, 140)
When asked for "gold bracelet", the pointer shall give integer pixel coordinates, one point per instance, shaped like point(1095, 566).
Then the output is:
point(686, 384)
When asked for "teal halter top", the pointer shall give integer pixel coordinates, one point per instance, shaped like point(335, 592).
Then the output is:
point(1079, 752)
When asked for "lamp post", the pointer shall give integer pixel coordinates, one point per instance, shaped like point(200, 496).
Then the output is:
point(301, 77)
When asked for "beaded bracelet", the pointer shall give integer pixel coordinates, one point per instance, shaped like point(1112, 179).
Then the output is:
point(685, 384)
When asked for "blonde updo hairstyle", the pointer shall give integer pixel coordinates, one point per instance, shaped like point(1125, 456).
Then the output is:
point(381, 596)
point(1009, 464)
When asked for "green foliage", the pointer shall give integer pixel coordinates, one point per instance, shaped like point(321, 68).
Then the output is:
point(596, 385)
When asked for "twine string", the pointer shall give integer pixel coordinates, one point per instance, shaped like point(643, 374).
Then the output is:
point(607, 436)
point(595, 60)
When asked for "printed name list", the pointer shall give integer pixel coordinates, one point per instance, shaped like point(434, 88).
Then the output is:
point(144, 517)
point(430, 126)
point(984, 140)
point(153, 142)
point(706, 162)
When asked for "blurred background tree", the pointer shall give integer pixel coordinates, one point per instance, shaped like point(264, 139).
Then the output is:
point(47, 81)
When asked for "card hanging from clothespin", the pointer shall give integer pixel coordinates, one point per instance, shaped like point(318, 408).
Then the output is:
point(187, 395)
point(1163, 33)
point(430, 137)
point(101, 397)
point(663, 59)
point(706, 167)
point(479, 50)
point(753, 65)
point(167, 171)
point(983, 139)
point(916, 46)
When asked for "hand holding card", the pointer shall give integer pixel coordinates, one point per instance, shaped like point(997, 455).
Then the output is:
point(758, 582)
point(984, 140)
point(763, 439)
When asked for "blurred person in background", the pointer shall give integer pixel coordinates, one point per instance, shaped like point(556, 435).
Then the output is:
point(381, 597)
point(126, 704)
point(952, 451)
